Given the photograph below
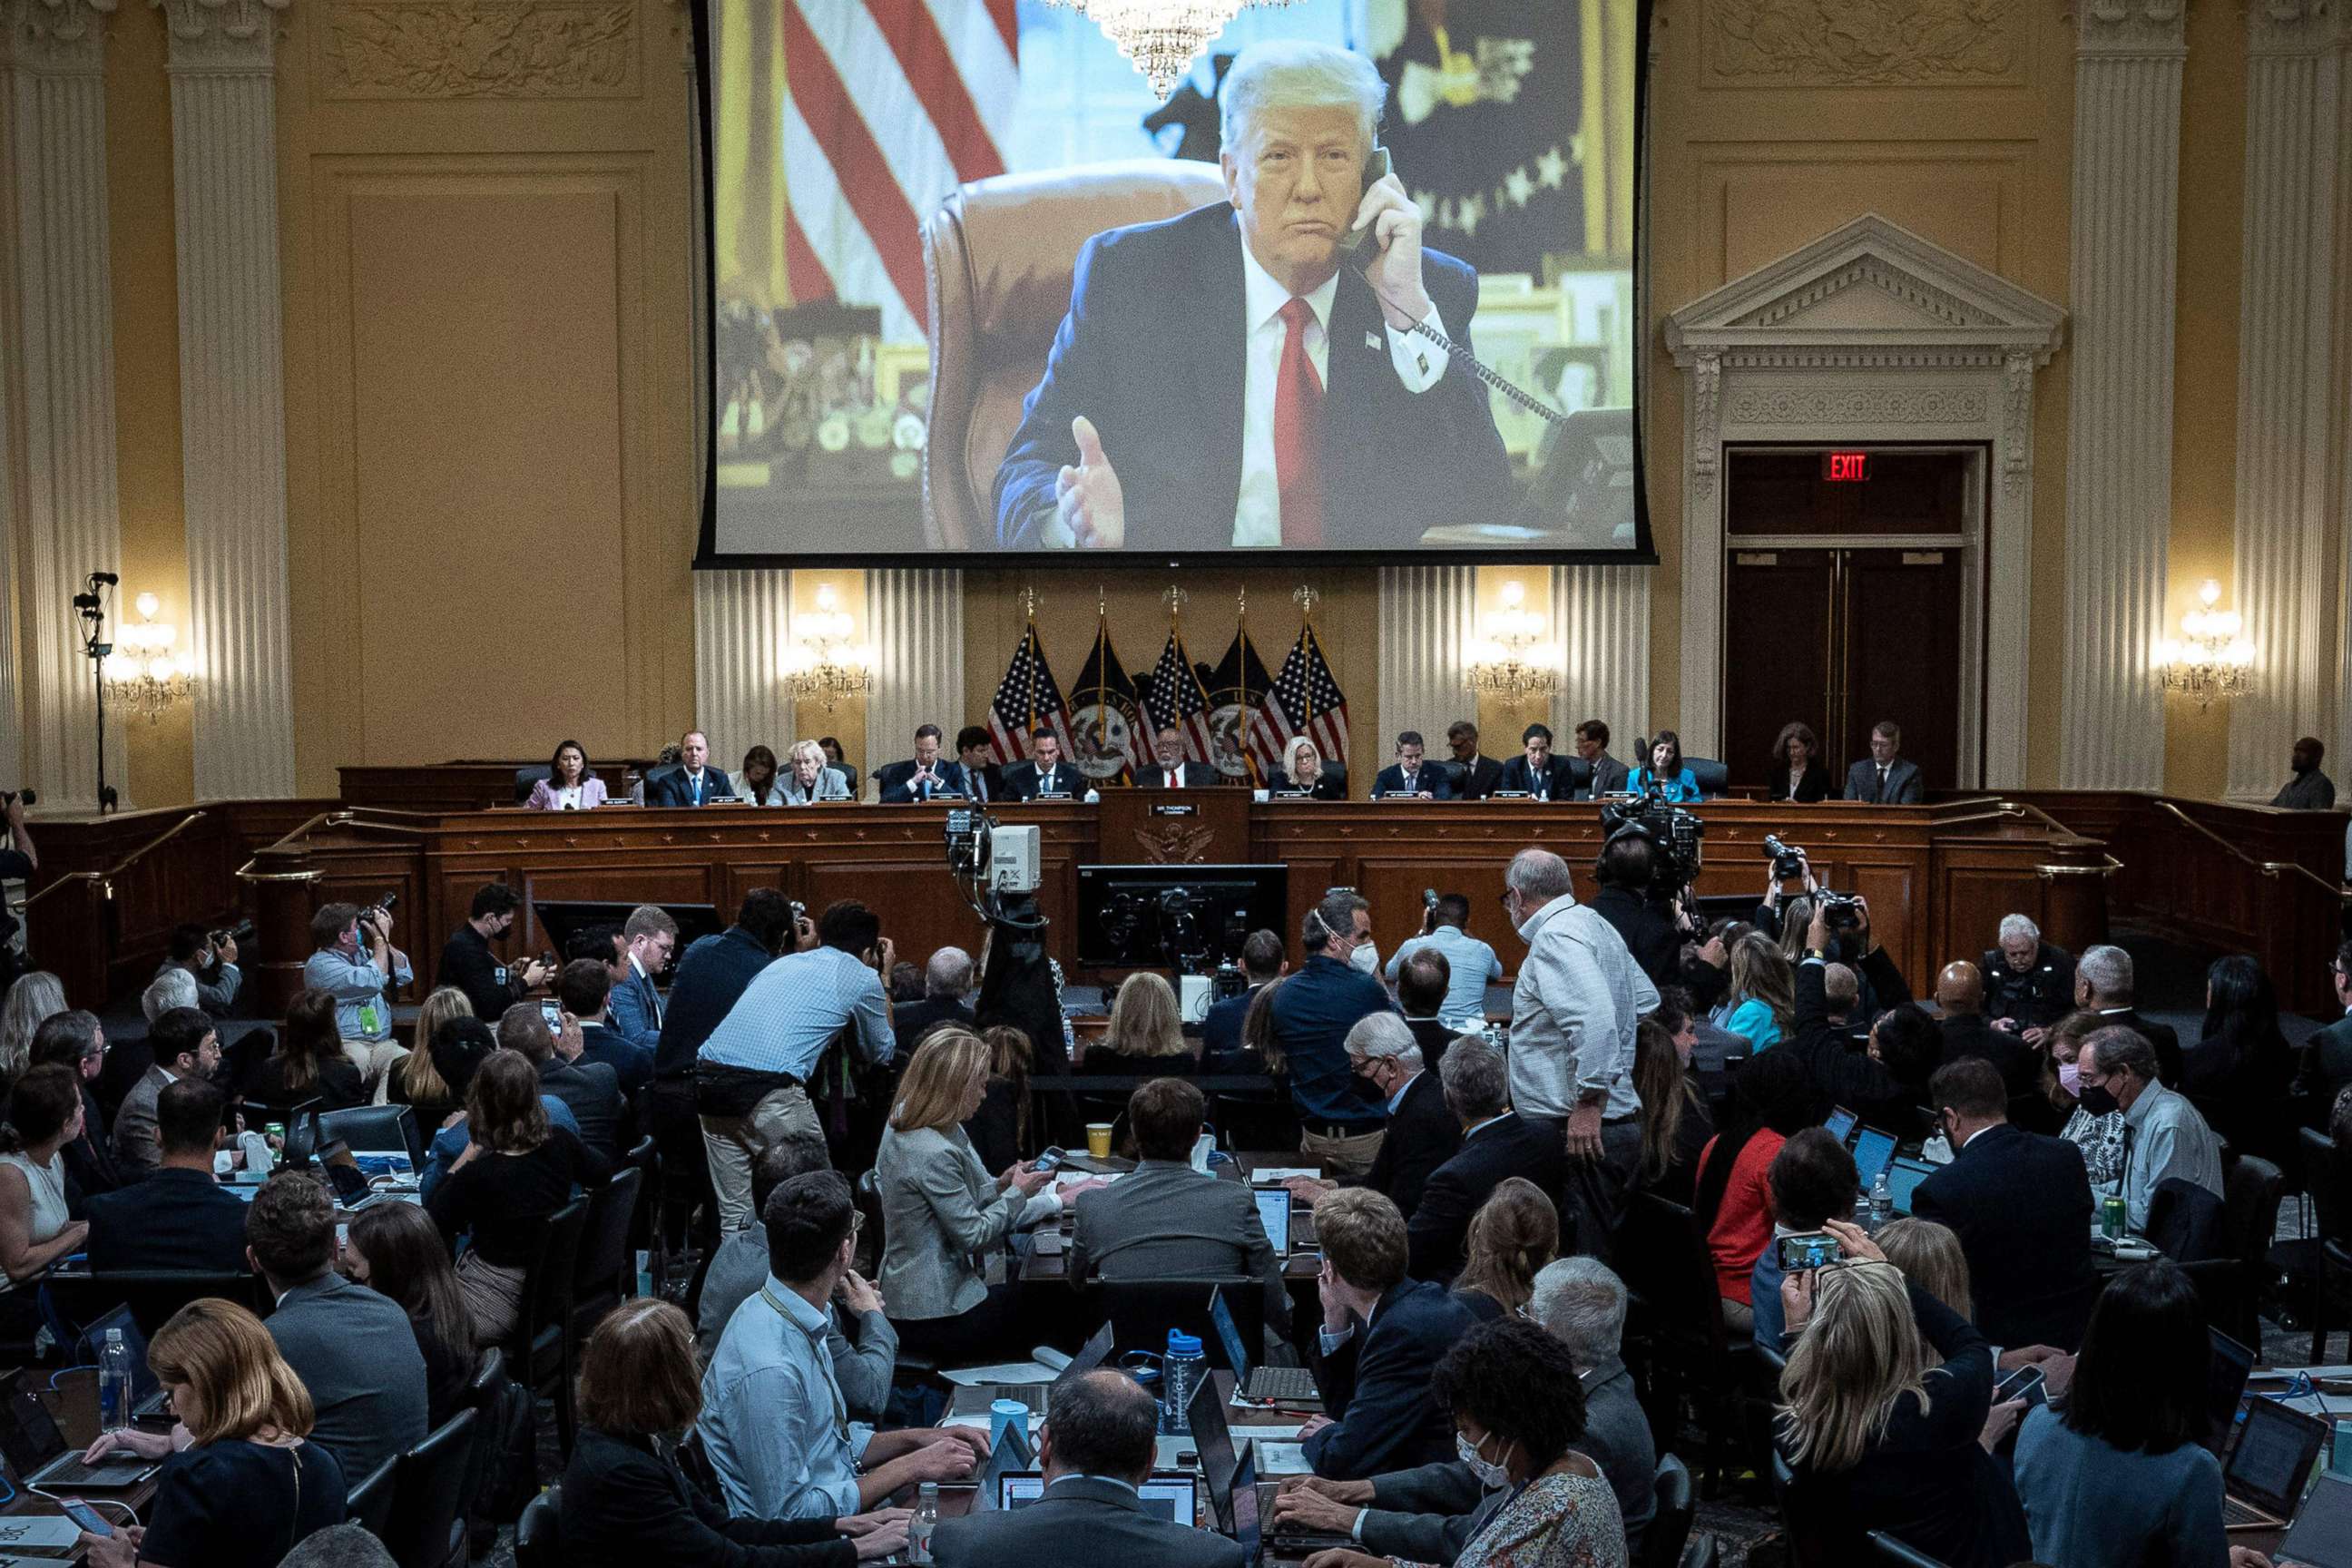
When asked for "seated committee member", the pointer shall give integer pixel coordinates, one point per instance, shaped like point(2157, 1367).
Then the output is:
point(1045, 774)
point(2163, 1134)
point(1884, 778)
point(1408, 778)
point(1474, 776)
point(2307, 788)
point(1168, 770)
point(568, 786)
point(694, 782)
point(1609, 775)
point(1471, 964)
point(1304, 771)
point(1665, 772)
point(983, 780)
point(354, 962)
point(808, 778)
point(756, 782)
point(1796, 772)
point(774, 1423)
point(625, 1503)
point(1096, 1448)
point(186, 1046)
point(1380, 1337)
point(921, 776)
point(1536, 773)
point(1347, 427)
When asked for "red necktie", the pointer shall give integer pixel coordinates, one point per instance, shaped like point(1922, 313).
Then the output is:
point(1298, 431)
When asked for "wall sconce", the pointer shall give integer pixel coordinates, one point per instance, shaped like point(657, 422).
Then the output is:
point(2210, 658)
point(143, 674)
point(826, 664)
point(1510, 661)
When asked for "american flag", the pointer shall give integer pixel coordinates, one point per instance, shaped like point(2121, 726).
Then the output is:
point(888, 106)
point(1175, 696)
point(1026, 698)
point(1305, 701)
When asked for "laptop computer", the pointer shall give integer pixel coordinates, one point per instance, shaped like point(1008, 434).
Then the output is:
point(1904, 1175)
point(1871, 1150)
point(1267, 1385)
point(1037, 1397)
point(2322, 1533)
point(1212, 1440)
point(1011, 1455)
point(2225, 1384)
point(1168, 1495)
point(1247, 1513)
point(2264, 1477)
point(37, 1452)
point(1274, 1214)
point(1842, 1123)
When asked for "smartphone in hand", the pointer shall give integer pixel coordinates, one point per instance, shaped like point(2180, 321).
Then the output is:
point(1810, 1249)
point(2027, 1384)
point(82, 1514)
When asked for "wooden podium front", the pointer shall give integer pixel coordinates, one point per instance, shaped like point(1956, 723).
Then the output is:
point(1173, 828)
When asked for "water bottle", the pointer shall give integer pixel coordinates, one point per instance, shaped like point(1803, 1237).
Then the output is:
point(1882, 1202)
point(113, 1383)
point(926, 1520)
point(1182, 1371)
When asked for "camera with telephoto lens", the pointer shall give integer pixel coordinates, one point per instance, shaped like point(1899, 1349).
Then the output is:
point(239, 933)
point(1841, 912)
point(27, 795)
point(1673, 832)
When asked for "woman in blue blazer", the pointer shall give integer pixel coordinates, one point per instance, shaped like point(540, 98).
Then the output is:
point(1673, 780)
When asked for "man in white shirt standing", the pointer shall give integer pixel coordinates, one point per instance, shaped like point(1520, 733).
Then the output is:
point(1573, 1015)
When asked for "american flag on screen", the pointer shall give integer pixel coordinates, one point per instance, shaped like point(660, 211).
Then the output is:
point(1174, 695)
point(1026, 698)
point(1305, 700)
point(888, 106)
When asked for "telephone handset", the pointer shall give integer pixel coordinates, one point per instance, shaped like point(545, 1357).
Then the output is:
point(1352, 240)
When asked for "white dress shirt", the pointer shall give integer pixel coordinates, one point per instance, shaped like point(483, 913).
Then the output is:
point(1574, 1013)
point(1420, 365)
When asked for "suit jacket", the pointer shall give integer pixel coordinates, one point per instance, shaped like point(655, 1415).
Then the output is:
point(1194, 775)
point(632, 1064)
point(1903, 786)
point(2327, 1060)
point(831, 785)
point(173, 1219)
point(138, 1147)
point(542, 794)
point(593, 1091)
point(1560, 779)
point(2162, 1036)
point(1422, 1135)
point(635, 1011)
point(353, 1350)
point(673, 788)
point(1331, 783)
point(1168, 1221)
point(1535, 1147)
point(1100, 1521)
point(622, 1505)
point(1023, 782)
point(896, 779)
point(1376, 1386)
point(1814, 786)
point(2037, 998)
point(910, 1021)
point(1433, 777)
point(2020, 1204)
point(1220, 1029)
point(1475, 779)
point(1159, 372)
point(1609, 775)
point(985, 782)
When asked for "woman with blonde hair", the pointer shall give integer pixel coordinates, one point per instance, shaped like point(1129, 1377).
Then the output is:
point(1304, 769)
point(1930, 1257)
point(943, 1214)
point(1146, 1034)
point(1763, 992)
point(248, 1485)
point(1885, 1392)
point(35, 998)
point(1514, 1234)
point(414, 1080)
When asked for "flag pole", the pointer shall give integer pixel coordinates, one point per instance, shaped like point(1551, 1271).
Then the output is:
point(1029, 637)
point(1241, 674)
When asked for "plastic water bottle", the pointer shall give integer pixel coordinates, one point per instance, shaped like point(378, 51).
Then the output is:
point(1882, 1202)
point(926, 1520)
point(1182, 1371)
point(113, 1383)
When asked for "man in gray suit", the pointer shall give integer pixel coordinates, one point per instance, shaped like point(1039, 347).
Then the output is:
point(1096, 1448)
point(1164, 1220)
point(186, 1045)
point(352, 1347)
point(1884, 778)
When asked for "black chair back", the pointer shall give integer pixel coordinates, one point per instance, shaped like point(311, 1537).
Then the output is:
point(482, 1397)
point(1662, 1254)
point(371, 1502)
point(538, 1533)
point(1142, 1312)
point(607, 1271)
point(1670, 1527)
point(540, 1353)
point(375, 1129)
point(1711, 777)
point(426, 1531)
point(152, 1295)
point(526, 777)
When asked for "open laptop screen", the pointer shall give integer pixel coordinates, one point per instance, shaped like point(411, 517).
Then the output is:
point(2225, 1384)
point(2273, 1457)
point(1170, 1497)
point(1841, 1123)
point(1902, 1179)
point(1274, 1213)
point(1871, 1150)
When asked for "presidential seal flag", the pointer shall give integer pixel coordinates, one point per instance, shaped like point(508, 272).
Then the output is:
point(1108, 740)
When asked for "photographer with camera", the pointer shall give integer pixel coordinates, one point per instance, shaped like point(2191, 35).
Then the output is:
point(1887, 1084)
point(355, 963)
point(211, 956)
point(1627, 870)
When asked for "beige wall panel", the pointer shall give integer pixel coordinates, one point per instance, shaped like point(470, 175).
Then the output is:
point(1769, 206)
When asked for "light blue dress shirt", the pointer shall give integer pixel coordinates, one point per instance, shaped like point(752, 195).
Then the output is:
point(1472, 963)
point(774, 1423)
point(356, 987)
point(787, 1016)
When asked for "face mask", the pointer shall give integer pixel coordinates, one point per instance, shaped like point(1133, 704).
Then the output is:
point(2099, 1100)
point(1364, 958)
point(2070, 1079)
point(1489, 1475)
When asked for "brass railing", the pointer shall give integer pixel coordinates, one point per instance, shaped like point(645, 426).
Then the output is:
point(342, 816)
point(104, 881)
point(2267, 868)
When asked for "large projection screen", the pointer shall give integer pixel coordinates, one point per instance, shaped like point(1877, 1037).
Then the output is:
point(1149, 343)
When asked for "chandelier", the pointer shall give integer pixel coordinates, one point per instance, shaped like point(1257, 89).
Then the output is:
point(2210, 658)
point(143, 676)
point(1162, 37)
point(1510, 660)
point(824, 664)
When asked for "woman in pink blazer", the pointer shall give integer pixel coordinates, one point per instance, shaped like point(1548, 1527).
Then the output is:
point(569, 785)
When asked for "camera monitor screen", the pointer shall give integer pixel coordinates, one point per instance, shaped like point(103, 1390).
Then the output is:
point(1359, 278)
point(1183, 918)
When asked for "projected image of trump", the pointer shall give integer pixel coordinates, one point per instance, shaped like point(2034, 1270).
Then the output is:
point(1247, 374)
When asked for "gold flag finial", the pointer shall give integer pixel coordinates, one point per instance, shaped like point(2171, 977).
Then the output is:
point(1305, 598)
point(1029, 601)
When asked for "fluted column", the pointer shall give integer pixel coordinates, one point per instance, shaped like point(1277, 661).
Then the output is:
point(2291, 306)
point(58, 371)
point(1602, 616)
point(743, 626)
point(915, 621)
point(232, 393)
point(2119, 428)
point(1428, 617)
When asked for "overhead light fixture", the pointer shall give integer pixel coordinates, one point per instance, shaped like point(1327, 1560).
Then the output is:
point(1511, 660)
point(2210, 658)
point(145, 674)
point(824, 666)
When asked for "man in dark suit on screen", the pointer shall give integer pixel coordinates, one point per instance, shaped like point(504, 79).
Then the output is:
point(1235, 377)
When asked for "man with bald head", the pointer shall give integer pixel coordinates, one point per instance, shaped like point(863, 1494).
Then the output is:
point(1574, 1014)
point(1968, 1035)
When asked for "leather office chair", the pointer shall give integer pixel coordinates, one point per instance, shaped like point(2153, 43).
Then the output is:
point(527, 777)
point(998, 255)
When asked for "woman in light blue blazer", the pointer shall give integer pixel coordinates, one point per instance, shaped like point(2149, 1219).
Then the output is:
point(1674, 781)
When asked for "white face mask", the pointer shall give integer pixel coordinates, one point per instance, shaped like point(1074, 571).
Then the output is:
point(1490, 1476)
point(1364, 958)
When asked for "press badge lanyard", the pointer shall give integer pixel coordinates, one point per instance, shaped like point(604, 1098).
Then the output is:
point(825, 1360)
